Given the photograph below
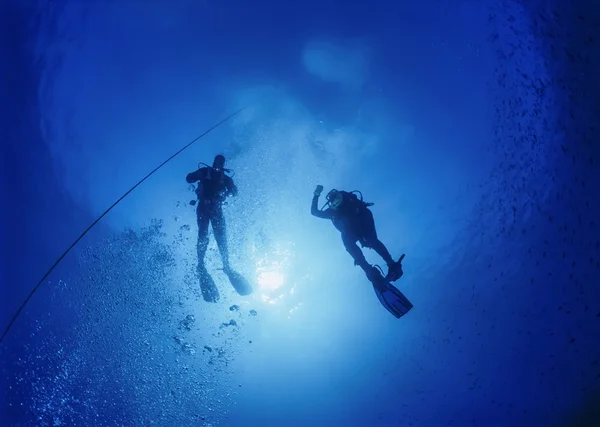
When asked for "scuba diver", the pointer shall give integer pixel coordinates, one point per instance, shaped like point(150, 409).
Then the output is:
point(214, 186)
point(353, 218)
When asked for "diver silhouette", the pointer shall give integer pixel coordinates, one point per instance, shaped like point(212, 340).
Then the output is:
point(353, 218)
point(214, 186)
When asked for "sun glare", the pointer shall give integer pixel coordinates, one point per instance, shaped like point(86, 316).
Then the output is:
point(270, 281)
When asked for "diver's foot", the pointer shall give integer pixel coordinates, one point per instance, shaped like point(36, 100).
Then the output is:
point(395, 270)
point(376, 278)
point(209, 290)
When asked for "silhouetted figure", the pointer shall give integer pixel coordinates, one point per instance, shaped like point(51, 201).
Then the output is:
point(214, 186)
point(353, 218)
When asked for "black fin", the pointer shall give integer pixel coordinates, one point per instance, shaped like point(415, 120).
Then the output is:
point(239, 283)
point(393, 300)
point(210, 293)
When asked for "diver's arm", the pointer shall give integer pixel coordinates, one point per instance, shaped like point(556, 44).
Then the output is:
point(315, 211)
point(195, 176)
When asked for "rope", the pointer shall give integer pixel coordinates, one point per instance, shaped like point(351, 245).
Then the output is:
point(35, 289)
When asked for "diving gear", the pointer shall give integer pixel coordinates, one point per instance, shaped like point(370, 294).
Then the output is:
point(213, 184)
point(228, 171)
point(239, 283)
point(335, 199)
point(375, 277)
point(393, 300)
point(350, 201)
point(210, 293)
point(389, 296)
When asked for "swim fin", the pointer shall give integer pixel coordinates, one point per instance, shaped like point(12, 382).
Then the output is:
point(210, 293)
point(393, 300)
point(239, 283)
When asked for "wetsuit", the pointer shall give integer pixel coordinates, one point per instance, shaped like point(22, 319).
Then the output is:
point(213, 188)
point(355, 222)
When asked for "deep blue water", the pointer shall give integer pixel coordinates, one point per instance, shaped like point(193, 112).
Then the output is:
point(472, 125)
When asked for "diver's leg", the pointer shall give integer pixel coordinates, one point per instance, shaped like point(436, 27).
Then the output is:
point(359, 259)
point(239, 283)
point(210, 293)
point(370, 237)
point(372, 241)
point(378, 246)
point(220, 232)
point(203, 219)
point(357, 255)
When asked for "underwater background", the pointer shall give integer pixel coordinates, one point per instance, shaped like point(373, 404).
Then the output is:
point(473, 125)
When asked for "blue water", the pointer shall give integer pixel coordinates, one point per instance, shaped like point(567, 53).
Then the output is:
point(472, 126)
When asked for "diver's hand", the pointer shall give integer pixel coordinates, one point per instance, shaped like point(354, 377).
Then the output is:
point(318, 190)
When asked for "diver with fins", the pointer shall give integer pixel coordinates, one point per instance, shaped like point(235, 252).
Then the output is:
point(353, 218)
point(214, 186)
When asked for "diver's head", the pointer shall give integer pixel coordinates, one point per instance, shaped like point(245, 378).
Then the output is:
point(219, 162)
point(335, 199)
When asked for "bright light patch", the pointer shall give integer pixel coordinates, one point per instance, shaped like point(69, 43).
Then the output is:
point(270, 280)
